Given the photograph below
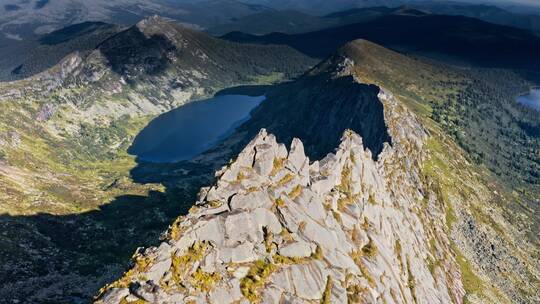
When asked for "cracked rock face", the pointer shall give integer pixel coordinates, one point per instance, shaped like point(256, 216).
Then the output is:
point(277, 228)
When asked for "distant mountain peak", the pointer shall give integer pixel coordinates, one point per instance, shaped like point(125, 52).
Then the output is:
point(351, 56)
point(363, 47)
point(152, 21)
point(173, 31)
point(360, 44)
point(156, 23)
point(409, 11)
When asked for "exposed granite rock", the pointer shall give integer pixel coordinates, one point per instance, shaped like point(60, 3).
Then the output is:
point(46, 111)
point(276, 229)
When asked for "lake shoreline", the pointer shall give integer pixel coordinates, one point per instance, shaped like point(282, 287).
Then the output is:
point(185, 132)
point(530, 100)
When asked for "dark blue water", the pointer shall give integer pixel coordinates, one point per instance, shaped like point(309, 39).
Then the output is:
point(189, 130)
point(531, 100)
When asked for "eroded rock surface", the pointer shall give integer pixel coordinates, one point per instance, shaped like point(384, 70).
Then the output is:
point(277, 228)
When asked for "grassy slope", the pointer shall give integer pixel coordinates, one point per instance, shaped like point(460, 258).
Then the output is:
point(73, 160)
point(74, 205)
point(469, 186)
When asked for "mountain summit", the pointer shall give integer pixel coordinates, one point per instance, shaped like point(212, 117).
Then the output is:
point(277, 227)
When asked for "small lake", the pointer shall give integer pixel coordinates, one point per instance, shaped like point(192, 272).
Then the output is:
point(531, 100)
point(189, 130)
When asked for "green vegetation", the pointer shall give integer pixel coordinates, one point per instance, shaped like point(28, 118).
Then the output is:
point(410, 281)
point(295, 192)
point(141, 264)
point(182, 264)
point(371, 199)
point(370, 249)
point(486, 122)
point(280, 202)
point(256, 279)
point(268, 240)
point(345, 188)
point(475, 107)
point(204, 281)
point(318, 254)
point(354, 293)
point(471, 282)
point(70, 191)
point(280, 260)
point(365, 273)
point(327, 294)
point(285, 180)
point(278, 165)
point(482, 146)
point(286, 235)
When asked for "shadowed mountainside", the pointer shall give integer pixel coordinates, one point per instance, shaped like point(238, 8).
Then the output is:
point(323, 108)
point(52, 47)
point(293, 22)
point(453, 38)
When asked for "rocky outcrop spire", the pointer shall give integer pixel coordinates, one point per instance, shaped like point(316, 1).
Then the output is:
point(275, 227)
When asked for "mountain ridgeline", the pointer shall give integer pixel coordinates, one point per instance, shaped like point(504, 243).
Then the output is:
point(54, 46)
point(405, 180)
point(291, 22)
point(392, 212)
point(455, 39)
point(319, 107)
point(154, 45)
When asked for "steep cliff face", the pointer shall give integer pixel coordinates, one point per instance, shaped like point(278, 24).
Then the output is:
point(318, 108)
point(488, 219)
point(278, 227)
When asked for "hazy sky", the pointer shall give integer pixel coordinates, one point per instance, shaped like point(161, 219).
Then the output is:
point(528, 2)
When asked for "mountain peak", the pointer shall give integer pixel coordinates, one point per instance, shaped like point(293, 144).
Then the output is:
point(157, 24)
point(166, 27)
point(276, 227)
point(362, 44)
point(361, 48)
point(357, 52)
point(409, 11)
point(152, 21)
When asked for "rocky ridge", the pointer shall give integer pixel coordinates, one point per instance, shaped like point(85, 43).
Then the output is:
point(276, 227)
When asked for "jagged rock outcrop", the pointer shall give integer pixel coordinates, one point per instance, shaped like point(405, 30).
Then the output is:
point(276, 227)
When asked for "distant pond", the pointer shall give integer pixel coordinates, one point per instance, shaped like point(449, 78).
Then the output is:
point(531, 100)
point(189, 130)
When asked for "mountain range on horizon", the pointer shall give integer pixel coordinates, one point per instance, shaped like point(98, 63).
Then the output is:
point(389, 157)
point(26, 30)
